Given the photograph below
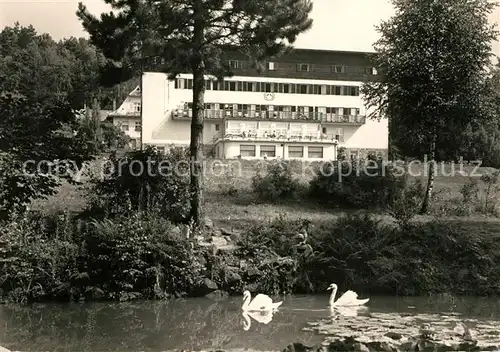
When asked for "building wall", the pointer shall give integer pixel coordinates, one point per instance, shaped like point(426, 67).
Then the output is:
point(321, 65)
point(130, 106)
point(160, 97)
point(128, 125)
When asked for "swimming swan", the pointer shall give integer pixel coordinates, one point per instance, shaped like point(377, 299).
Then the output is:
point(260, 303)
point(350, 298)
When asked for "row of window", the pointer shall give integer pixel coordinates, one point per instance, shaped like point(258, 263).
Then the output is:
point(125, 127)
point(337, 131)
point(305, 67)
point(249, 150)
point(268, 87)
point(248, 108)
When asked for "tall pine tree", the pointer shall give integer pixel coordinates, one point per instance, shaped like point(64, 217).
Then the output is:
point(190, 36)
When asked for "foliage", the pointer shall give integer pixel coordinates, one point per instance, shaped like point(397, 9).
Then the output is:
point(193, 36)
point(429, 42)
point(142, 256)
point(144, 181)
point(406, 203)
point(35, 65)
point(434, 58)
point(360, 252)
point(489, 203)
point(128, 257)
point(272, 252)
point(357, 184)
point(39, 146)
point(278, 183)
point(477, 197)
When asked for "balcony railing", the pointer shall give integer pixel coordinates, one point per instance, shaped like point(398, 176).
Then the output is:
point(186, 114)
point(237, 134)
point(126, 113)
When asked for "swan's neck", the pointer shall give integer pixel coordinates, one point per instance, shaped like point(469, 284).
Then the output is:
point(332, 296)
point(246, 302)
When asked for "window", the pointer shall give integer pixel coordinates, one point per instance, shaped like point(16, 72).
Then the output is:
point(161, 149)
point(247, 150)
point(137, 107)
point(124, 127)
point(315, 152)
point(338, 69)
point(138, 126)
point(271, 66)
point(352, 91)
point(323, 130)
point(235, 64)
point(295, 151)
point(370, 71)
point(339, 134)
point(303, 67)
point(217, 127)
point(268, 150)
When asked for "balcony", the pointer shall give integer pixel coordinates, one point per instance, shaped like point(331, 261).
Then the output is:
point(219, 114)
point(122, 113)
point(279, 136)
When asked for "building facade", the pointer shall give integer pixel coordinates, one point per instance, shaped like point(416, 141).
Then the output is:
point(306, 105)
point(128, 117)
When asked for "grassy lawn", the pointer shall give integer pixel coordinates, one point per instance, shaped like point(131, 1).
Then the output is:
point(242, 210)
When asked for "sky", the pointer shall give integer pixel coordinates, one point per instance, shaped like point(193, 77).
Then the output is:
point(338, 24)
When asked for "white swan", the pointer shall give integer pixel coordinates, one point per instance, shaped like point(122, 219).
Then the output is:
point(263, 317)
point(350, 298)
point(260, 303)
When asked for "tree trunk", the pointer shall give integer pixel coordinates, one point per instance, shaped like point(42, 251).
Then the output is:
point(196, 164)
point(430, 178)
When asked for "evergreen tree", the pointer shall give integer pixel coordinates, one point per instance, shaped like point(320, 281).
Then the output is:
point(192, 36)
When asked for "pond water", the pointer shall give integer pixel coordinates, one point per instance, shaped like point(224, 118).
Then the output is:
point(202, 324)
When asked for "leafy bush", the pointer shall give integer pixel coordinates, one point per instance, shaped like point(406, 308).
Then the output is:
point(146, 180)
point(477, 197)
point(142, 256)
point(359, 185)
point(124, 258)
point(407, 202)
point(39, 146)
point(277, 183)
point(362, 253)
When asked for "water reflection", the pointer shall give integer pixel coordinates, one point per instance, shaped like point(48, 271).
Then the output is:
point(196, 324)
point(337, 312)
point(263, 317)
point(192, 324)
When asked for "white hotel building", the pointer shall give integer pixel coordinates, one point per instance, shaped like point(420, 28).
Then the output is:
point(305, 105)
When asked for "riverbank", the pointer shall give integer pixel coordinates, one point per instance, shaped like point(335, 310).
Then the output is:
point(143, 256)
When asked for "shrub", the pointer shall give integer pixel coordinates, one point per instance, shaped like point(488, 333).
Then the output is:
point(140, 257)
point(145, 180)
point(123, 258)
point(277, 183)
point(406, 202)
point(362, 253)
point(489, 202)
point(357, 184)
